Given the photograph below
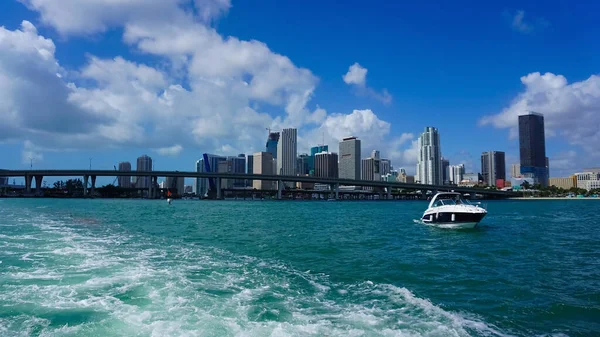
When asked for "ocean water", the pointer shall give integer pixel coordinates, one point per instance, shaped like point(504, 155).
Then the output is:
point(268, 268)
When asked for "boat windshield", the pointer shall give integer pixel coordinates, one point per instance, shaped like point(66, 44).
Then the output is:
point(455, 200)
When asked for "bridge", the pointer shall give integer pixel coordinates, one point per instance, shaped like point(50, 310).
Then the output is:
point(335, 183)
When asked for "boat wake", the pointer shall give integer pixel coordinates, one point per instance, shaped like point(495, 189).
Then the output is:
point(114, 283)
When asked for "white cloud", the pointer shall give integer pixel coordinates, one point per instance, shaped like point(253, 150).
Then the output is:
point(212, 94)
point(357, 77)
point(519, 24)
point(170, 151)
point(571, 111)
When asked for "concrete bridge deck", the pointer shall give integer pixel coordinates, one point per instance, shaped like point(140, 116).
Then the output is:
point(88, 175)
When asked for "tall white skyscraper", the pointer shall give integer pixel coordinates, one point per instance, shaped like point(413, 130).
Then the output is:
point(287, 150)
point(429, 161)
point(456, 173)
point(349, 165)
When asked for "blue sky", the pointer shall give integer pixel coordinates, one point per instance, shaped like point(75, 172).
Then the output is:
point(443, 64)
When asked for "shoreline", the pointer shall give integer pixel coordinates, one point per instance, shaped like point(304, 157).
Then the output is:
point(551, 198)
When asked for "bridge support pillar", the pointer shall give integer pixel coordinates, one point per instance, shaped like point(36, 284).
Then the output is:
point(154, 183)
point(219, 190)
point(86, 179)
point(38, 184)
point(28, 179)
point(473, 195)
point(424, 195)
point(279, 189)
point(389, 193)
point(337, 191)
point(93, 189)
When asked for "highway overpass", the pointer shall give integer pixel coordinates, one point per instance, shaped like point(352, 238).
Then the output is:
point(88, 175)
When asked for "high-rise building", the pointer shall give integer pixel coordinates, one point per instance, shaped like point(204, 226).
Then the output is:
point(238, 165)
point(202, 183)
point(272, 142)
point(370, 167)
point(302, 164)
point(287, 148)
point(493, 167)
point(429, 160)
point(445, 172)
point(456, 173)
point(125, 181)
point(350, 156)
point(311, 160)
point(175, 184)
point(386, 166)
point(515, 171)
point(532, 147)
point(326, 165)
point(250, 168)
point(226, 166)
point(263, 164)
point(144, 164)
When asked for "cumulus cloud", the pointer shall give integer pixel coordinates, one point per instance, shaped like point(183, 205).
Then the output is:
point(170, 151)
point(212, 94)
point(357, 77)
point(571, 111)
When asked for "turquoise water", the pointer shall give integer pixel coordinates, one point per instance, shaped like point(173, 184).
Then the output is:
point(268, 268)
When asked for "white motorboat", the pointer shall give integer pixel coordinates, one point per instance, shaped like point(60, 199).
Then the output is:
point(450, 210)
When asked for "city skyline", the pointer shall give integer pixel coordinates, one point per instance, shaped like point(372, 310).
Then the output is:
point(121, 93)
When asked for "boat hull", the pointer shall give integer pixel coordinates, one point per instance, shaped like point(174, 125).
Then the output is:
point(453, 225)
point(453, 217)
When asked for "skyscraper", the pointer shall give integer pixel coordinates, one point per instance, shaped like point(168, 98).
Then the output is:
point(238, 165)
point(429, 160)
point(125, 181)
point(326, 165)
point(213, 162)
point(144, 164)
point(272, 142)
point(175, 184)
point(445, 172)
point(287, 152)
point(302, 164)
point(350, 157)
point(456, 173)
point(311, 160)
point(263, 164)
point(515, 171)
point(371, 167)
point(532, 147)
point(493, 167)
point(250, 169)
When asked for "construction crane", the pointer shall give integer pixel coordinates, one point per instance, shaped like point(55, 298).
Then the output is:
point(114, 181)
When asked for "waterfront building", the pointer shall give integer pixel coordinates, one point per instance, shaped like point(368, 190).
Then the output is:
point(456, 173)
point(144, 164)
point(517, 183)
point(238, 165)
point(175, 184)
point(287, 148)
point(263, 164)
point(272, 141)
point(588, 180)
point(564, 183)
point(445, 171)
point(493, 167)
point(474, 178)
point(532, 148)
point(202, 184)
point(226, 166)
point(303, 164)
point(350, 158)
point(250, 168)
point(429, 160)
point(515, 171)
point(326, 165)
point(371, 167)
point(313, 151)
point(386, 166)
point(124, 181)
